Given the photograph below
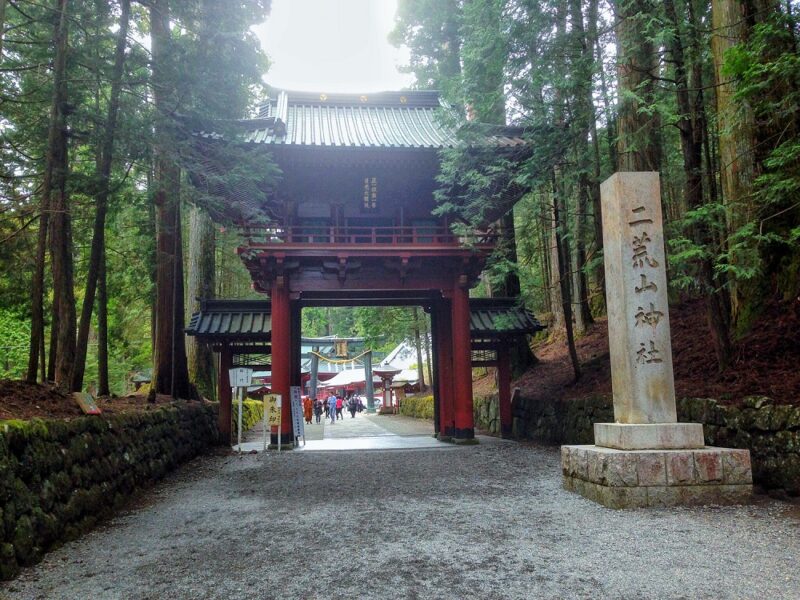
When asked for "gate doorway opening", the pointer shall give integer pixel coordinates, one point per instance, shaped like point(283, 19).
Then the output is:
point(241, 333)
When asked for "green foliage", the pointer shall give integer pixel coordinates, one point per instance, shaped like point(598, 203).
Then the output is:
point(766, 69)
point(252, 414)
point(419, 407)
point(430, 29)
point(216, 64)
point(384, 327)
point(14, 341)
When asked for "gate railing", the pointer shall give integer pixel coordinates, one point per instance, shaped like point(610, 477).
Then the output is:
point(422, 235)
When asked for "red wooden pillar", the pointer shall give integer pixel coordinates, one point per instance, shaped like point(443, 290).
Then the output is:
point(444, 366)
point(224, 394)
point(281, 358)
point(504, 389)
point(462, 365)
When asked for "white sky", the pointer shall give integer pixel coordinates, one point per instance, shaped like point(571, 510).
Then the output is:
point(332, 46)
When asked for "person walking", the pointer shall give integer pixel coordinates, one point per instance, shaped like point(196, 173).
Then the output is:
point(325, 406)
point(339, 406)
point(307, 408)
point(332, 408)
point(352, 406)
point(317, 409)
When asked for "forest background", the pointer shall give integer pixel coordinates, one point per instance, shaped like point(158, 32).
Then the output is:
point(112, 223)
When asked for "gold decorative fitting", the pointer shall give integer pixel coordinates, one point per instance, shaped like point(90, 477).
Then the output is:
point(323, 97)
point(363, 98)
point(403, 100)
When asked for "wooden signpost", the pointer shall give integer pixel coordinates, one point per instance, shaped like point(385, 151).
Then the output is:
point(273, 414)
point(240, 378)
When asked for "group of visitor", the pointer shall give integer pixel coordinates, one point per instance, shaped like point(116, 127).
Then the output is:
point(333, 407)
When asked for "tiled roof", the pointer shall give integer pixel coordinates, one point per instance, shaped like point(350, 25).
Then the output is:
point(500, 317)
point(383, 120)
point(249, 319)
point(238, 319)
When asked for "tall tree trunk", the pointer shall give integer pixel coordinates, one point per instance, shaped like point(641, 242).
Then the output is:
point(104, 176)
point(201, 285)
point(426, 340)
point(731, 23)
point(418, 347)
point(591, 182)
point(562, 265)
point(102, 329)
point(544, 229)
point(52, 348)
point(692, 148)
point(638, 143)
point(152, 255)
point(171, 375)
point(42, 360)
point(2, 26)
point(558, 319)
point(60, 221)
point(36, 350)
point(55, 163)
point(611, 118)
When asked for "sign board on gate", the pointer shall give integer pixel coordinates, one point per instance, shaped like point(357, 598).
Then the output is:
point(298, 426)
point(240, 376)
point(273, 408)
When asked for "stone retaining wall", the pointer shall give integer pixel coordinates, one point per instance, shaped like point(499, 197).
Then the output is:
point(771, 432)
point(486, 413)
point(59, 478)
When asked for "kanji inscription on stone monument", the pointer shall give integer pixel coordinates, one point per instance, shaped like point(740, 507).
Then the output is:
point(636, 288)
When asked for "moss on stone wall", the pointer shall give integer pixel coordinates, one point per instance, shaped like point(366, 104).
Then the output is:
point(59, 478)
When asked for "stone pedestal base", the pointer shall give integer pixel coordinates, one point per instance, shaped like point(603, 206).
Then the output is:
point(655, 436)
point(640, 478)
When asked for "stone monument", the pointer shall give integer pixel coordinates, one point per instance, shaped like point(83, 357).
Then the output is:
point(646, 458)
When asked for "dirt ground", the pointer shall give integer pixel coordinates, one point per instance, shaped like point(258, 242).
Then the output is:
point(21, 400)
point(765, 361)
point(487, 521)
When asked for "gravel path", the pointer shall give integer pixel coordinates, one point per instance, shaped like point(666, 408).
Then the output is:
point(488, 521)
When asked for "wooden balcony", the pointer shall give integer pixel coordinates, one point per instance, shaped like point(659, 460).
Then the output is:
point(355, 238)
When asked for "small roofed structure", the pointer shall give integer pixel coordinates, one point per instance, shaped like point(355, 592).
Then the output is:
point(495, 324)
point(241, 332)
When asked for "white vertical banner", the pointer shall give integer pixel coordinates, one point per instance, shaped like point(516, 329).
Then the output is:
point(298, 425)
